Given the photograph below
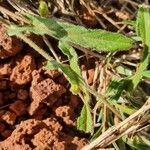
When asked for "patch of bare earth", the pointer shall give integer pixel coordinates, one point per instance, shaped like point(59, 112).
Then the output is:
point(36, 108)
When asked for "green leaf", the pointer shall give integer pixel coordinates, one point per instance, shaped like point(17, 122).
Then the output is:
point(143, 24)
point(84, 122)
point(137, 142)
point(97, 39)
point(143, 30)
point(130, 22)
point(141, 143)
point(43, 8)
point(126, 109)
point(136, 78)
point(116, 88)
point(124, 70)
point(74, 79)
point(72, 56)
point(39, 26)
point(146, 74)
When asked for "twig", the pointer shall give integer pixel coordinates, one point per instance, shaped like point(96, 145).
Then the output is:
point(50, 48)
point(88, 51)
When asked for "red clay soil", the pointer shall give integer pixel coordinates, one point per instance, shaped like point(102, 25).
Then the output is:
point(37, 111)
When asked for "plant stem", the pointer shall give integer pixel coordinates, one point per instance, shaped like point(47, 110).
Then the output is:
point(35, 47)
point(50, 48)
point(103, 99)
point(48, 57)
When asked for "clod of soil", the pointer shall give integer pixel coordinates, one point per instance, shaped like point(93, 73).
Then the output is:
point(5, 70)
point(45, 91)
point(9, 46)
point(53, 73)
point(41, 135)
point(9, 117)
point(65, 112)
point(22, 73)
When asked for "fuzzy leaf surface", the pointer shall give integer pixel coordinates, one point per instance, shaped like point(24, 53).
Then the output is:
point(96, 39)
point(84, 122)
point(143, 24)
point(143, 30)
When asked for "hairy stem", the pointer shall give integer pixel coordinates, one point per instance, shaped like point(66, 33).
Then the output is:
point(48, 57)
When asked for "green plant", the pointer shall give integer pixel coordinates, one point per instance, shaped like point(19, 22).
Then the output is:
point(69, 36)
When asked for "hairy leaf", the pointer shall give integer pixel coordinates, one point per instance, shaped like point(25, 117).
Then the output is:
point(143, 24)
point(146, 74)
point(97, 39)
point(143, 30)
point(72, 56)
point(84, 122)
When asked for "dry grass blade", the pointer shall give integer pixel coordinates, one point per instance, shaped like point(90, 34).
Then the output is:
point(125, 127)
point(13, 15)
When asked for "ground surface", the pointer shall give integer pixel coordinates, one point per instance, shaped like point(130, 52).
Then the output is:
point(37, 110)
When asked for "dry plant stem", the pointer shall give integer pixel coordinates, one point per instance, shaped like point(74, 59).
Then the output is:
point(13, 15)
point(96, 74)
point(103, 99)
point(50, 48)
point(88, 51)
point(104, 119)
point(98, 104)
point(128, 125)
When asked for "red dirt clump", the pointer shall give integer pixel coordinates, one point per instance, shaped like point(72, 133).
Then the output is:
point(53, 73)
point(22, 73)
point(65, 112)
point(45, 91)
point(29, 95)
point(5, 69)
point(41, 135)
point(9, 46)
point(9, 117)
